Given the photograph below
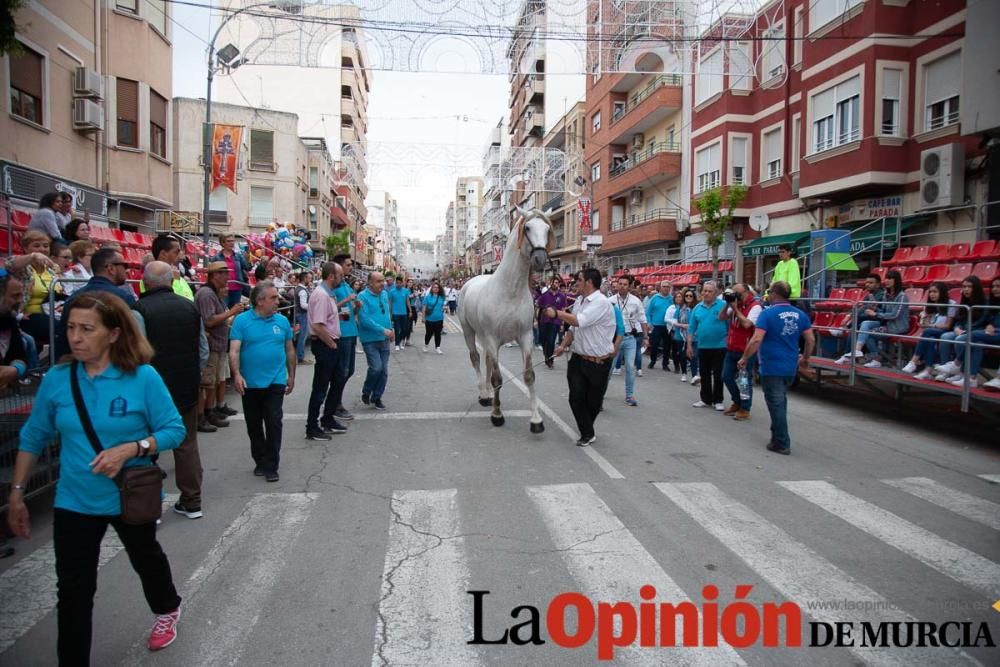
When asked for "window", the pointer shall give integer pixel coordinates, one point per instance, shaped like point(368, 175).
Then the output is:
point(26, 84)
point(261, 206)
point(836, 115)
point(595, 172)
point(822, 12)
point(217, 201)
point(891, 93)
point(262, 149)
point(345, 93)
point(942, 84)
point(772, 154)
point(128, 113)
point(346, 62)
point(595, 221)
point(130, 6)
point(740, 66)
point(796, 143)
point(708, 163)
point(618, 110)
point(709, 78)
point(774, 53)
point(157, 124)
point(670, 139)
point(313, 218)
point(738, 160)
point(313, 181)
point(595, 122)
point(797, 31)
point(156, 14)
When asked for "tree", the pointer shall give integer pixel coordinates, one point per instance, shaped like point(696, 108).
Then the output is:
point(338, 243)
point(8, 43)
point(716, 209)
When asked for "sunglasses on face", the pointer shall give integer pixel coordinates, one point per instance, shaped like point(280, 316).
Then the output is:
point(119, 263)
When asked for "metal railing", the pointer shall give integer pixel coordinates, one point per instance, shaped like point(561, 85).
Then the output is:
point(639, 97)
point(652, 216)
point(637, 159)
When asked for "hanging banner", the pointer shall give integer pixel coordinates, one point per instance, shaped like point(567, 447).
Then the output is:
point(226, 142)
point(584, 205)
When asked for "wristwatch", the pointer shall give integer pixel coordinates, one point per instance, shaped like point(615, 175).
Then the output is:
point(143, 447)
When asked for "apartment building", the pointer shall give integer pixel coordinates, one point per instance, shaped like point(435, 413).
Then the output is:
point(568, 136)
point(495, 219)
point(89, 114)
point(828, 111)
point(633, 130)
point(273, 180)
point(326, 210)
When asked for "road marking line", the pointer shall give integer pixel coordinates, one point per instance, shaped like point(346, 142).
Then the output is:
point(610, 564)
point(797, 571)
point(400, 416)
point(592, 453)
point(424, 615)
point(964, 504)
point(991, 478)
point(946, 557)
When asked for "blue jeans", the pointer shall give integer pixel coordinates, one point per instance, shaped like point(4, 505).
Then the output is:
point(30, 351)
point(948, 346)
point(302, 319)
point(927, 346)
point(867, 340)
point(627, 353)
point(729, 372)
point(776, 396)
point(377, 355)
point(977, 353)
point(233, 297)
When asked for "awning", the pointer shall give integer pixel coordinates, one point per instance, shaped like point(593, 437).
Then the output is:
point(870, 238)
point(840, 261)
point(768, 245)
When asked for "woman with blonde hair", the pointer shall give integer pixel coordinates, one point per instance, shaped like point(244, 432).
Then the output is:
point(121, 406)
point(39, 277)
point(80, 270)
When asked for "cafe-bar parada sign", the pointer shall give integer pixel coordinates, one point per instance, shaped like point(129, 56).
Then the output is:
point(871, 208)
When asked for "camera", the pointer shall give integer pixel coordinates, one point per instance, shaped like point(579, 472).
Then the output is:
point(729, 296)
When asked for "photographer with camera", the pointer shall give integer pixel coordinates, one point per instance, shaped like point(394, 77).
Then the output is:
point(741, 310)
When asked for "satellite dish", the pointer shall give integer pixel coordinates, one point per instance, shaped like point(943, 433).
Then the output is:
point(759, 221)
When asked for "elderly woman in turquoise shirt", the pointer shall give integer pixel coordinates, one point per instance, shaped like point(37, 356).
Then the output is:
point(134, 417)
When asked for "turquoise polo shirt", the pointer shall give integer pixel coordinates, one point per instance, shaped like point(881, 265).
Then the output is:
point(123, 407)
point(399, 298)
point(656, 309)
point(435, 307)
point(373, 318)
point(705, 326)
point(348, 327)
point(262, 348)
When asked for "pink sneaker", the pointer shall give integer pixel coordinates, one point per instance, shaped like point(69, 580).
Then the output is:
point(164, 630)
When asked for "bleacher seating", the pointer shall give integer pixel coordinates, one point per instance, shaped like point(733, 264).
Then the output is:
point(984, 250)
point(931, 274)
point(899, 257)
point(918, 255)
point(986, 272)
point(957, 273)
point(955, 294)
point(835, 294)
point(916, 295)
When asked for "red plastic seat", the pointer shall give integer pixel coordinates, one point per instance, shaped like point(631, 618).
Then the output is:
point(986, 271)
point(914, 330)
point(955, 294)
point(822, 321)
point(916, 295)
point(913, 274)
point(19, 220)
point(880, 271)
point(14, 246)
point(939, 253)
point(933, 274)
point(851, 296)
point(959, 252)
point(919, 255)
point(984, 250)
point(835, 293)
point(957, 273)
point(899, 257)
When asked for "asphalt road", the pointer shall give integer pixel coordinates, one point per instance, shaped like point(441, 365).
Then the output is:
point(364, 552)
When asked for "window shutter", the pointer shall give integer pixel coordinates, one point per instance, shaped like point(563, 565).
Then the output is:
point(157, 109)
point(715, 157)
point(823, 104)
point(848, 89)
point(891, 78)
point(739, 158)
point(943, 78)
point(772, 146)
point(261, 203)
point(128, 100)
point(26, 72)
point(262, 148)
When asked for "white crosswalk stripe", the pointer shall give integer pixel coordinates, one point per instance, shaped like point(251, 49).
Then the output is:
point(424, 615)
point(609, 563)
point(991, 478)
point(948, 558)
point(964, 504)
point(798, 572)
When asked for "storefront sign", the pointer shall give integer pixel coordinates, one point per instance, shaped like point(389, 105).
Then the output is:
point(27, 186)
point(870, 209)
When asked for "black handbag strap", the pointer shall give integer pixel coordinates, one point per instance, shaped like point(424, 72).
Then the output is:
point(81, 408)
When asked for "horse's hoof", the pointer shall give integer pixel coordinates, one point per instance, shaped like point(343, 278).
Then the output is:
point(497, 421)
point(486, 402)
point(538, 428)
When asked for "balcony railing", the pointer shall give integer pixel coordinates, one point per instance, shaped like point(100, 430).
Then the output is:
point(639, 158)
point(652, 216)
point(260, 221)
point(649, 89)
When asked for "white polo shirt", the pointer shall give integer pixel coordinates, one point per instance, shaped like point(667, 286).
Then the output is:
point(633, 312)
point(595, 333)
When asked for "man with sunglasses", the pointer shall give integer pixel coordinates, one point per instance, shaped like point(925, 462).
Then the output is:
point(110, 273)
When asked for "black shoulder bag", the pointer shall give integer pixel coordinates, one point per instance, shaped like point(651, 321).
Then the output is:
point(140, 487)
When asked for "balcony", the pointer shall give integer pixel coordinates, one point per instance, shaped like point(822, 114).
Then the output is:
point(645, 108)
point(659, 161)
point(656, 226)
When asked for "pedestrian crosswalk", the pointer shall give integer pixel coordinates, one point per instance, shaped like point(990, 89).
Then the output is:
point(424, 613)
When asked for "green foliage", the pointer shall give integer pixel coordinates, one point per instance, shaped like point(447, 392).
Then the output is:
point(338, 243)
point(716, 209)
point(8, 44)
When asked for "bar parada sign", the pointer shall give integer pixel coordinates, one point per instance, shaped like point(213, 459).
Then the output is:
point(870, 208)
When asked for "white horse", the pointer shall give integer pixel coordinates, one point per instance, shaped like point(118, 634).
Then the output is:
point(499, 308)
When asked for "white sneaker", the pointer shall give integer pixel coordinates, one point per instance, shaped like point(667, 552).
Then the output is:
point(941, 377)
point(684, 377)
point(699, 404)
point(696, 380)
point(949, 368)
point(397, 348)
point(924, 374)
point(874, 363)
point(910, 368)
point(639, 372)
point(720, 407)
point(959, 381)
point(509, 345)
point(993, 384)
point(438, 350)
point(617, 371)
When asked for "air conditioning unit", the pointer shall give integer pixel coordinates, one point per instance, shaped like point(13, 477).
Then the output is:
point(636, 198)
point(87, 83)
point(88, 116)
point(638, 141)
point(942, 176)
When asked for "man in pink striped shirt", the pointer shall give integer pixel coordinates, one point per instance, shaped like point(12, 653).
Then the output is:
point(324, 330)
